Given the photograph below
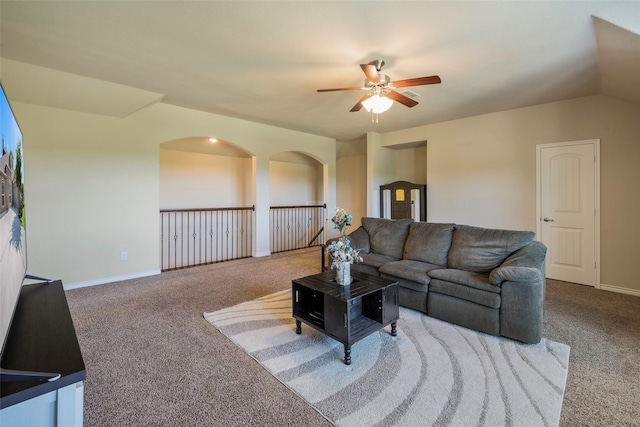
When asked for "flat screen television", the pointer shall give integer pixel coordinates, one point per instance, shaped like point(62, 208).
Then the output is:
point(13, 238)
point(13, 251)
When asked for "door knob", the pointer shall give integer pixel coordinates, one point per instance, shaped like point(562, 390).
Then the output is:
point(545, 219)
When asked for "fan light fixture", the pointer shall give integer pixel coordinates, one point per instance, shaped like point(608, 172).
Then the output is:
point(381, 91)
point(377, 104)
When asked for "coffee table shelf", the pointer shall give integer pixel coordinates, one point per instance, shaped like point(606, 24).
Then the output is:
point(345, 313)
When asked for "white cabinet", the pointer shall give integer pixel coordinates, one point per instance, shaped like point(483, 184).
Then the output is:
point(58, 408)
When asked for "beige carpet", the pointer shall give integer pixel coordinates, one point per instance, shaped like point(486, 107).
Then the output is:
point(432, 374)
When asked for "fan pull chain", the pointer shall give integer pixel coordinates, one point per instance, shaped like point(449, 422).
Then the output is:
point(374, 117)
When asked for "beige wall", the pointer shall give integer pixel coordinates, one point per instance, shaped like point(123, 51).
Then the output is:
point(380, 171)
point(481, 171)
point(387, 165)
point(195, 180)
point(92, 184)
point(294, 184)
point(410, 164)
point(91, 193)
point(351, 178)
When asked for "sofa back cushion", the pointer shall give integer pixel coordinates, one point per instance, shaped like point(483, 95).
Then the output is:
point(387, 236)
point(482, 249)
point(429, 242)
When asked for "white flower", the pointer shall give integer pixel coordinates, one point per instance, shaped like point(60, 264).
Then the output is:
point(341, 220)
point(341, 251)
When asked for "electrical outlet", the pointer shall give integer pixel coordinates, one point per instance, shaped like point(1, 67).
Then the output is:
point(124, 256)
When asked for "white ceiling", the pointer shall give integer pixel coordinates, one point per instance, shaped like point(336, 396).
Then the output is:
point(263, 60)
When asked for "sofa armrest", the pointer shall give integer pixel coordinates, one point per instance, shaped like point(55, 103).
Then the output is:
point(360, 240)
point(524, 265)
point(522, 280)
point(522, 310)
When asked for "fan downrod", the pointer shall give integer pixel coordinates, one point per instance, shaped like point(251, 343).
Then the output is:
point(378, 63)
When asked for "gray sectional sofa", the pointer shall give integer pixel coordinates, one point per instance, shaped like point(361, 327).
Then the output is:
point(489, 280)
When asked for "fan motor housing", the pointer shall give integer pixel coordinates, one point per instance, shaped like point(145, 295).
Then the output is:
point(384, 81)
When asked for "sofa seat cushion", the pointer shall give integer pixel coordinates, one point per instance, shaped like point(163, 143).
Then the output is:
point(466, 293)
point(467, 278)
point(366, 269)
point(414, 271)
point(376, 260)
point(481, 249)
point(428, 242)
point(387, 236)
point(415, 287)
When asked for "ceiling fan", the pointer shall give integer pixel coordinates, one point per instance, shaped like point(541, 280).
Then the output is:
point(381, 93)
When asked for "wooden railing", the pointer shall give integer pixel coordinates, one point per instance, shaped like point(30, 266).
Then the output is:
point(191, 237)
point(296, 227)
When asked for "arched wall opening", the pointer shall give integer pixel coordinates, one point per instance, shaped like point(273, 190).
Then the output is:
point(295, 179)
point(206, 202)
point(297, 201)
point(196, 173)
point(208, 194)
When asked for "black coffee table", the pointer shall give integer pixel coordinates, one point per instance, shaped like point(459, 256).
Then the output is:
point(345, 313)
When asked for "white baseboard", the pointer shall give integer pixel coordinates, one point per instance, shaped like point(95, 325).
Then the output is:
point(260, 254)
point(620, 290)
point(102, 281)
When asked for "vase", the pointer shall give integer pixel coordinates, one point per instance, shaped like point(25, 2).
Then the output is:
point(343, 273)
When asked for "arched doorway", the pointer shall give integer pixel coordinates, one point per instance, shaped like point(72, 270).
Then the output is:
point(297, 210)
point(206, 208)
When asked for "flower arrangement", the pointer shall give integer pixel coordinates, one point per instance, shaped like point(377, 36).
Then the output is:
point(341, 220)
point(341, 250)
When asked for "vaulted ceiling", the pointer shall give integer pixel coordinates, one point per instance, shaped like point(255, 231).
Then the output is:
point(263, 61)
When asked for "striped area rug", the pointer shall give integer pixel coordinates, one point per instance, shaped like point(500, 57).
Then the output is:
point(432, 374)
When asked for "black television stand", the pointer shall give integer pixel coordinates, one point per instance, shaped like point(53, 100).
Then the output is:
point(43, 358)
point(12, 375)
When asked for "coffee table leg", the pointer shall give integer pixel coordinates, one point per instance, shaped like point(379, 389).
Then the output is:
point(347, 355)
point(298, 327)
point(394, 330)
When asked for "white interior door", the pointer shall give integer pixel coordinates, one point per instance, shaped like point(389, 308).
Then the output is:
point(568, 207)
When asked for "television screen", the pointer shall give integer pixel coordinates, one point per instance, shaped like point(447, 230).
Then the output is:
point(13, 252)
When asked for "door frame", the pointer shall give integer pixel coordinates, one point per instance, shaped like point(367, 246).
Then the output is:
point(596, 160)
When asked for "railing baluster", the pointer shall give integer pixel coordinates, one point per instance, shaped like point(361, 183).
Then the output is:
point(294, 227)
point(222, 234)
point(217, 235)
point(175, 240)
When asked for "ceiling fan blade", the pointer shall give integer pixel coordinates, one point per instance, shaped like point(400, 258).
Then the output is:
point(371, 72)
point(341, 88)
point(358, 106)
point(418, 81)
point(402, 99)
